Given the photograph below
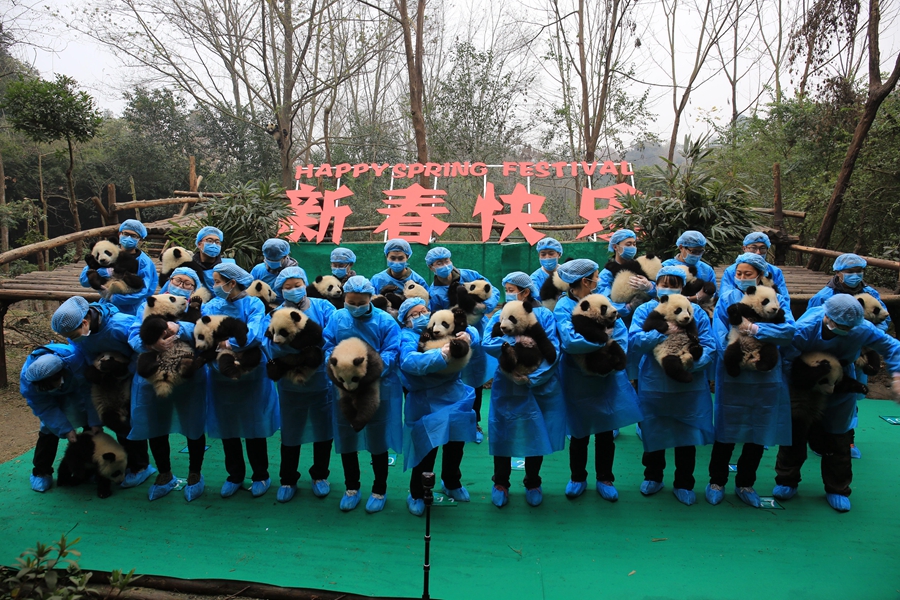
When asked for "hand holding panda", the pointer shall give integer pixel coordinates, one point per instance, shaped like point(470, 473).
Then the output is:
point(674, 318)
point(757, 305)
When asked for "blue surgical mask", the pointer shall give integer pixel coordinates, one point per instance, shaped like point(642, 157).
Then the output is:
point(852, 279)
point(339, 273)
point(219, 291)
point(295, 295)
point(419, 322)
point(507, 297)
point(444, 272)
point(666, 291)
point(549, 263)
point(212, 249)
point(177, 291)
point(129, 243)
point(397, 267)
point(357, 311)
point(745, 284)
point(692, 259)
point(628, 252)
point(835, 329)
point(273, 264)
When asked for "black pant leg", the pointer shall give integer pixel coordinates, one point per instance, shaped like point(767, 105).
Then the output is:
point(258, 457)
point(161, 450)
point(451, 459)
point(837, 466)
point(196, 452)
point(479, 397)
point(578, 452)
point(234, 460)
point(350, 462)
point(502, 471)
point(654, 465)
point(380, 464)
point(533, 472)
point(44, 454)
point(604, 456)
point(748, 463)
point(138, 453)
point(416, 489)
point(321, 460)
point(790, 459)
point(290, 462)
point(685, 461)
point(718, 463)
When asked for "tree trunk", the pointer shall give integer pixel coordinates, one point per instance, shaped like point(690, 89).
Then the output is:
point(73, 206)
point(45, 226)
point(4, 228)
point(416, 81)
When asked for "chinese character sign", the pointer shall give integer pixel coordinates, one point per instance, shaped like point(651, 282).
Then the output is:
point(308, 201)
point(411, 215)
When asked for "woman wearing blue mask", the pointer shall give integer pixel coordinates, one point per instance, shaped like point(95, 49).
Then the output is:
point(549, 252)
point(691, 245)
point(623, 245)
point(481, 366)
point(183, 411)
point(246, 408)
point(209, 254)
point(676, 415)
point(754, 408)
point(276, 257)
point(131, 232)
point(397, 252)
point(595, 405)
point(342, 261)
point(438, 410)
point(755, 243)
point(305, 409)
point(384, 431)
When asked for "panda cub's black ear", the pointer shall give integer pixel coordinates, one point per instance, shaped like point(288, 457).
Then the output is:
point(296, 317)
point(861, 302)
point(663, 299)
point(151, 301)
point(206, 319)
point(585, 305)
point(319, 279)
point(527, 306)
point(751, 290)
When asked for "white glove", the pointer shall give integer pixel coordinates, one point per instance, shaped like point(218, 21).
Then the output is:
point(673, 328)
point(640, 283)
point(445, 351)
point(748, 328)
point(464, 336)
point(520, 379)
point(701, 296)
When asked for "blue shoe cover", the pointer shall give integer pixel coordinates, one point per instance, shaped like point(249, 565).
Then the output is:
point(838, 502)
point(715, 493)
point(258, 488)
point(534, 496)
point(607, 492)
point(499, 496)
point(136, 479)
point(285, 493)
point(349, 500)
point(615, 433)
point(229, 488)
point(686, 497)
point(416, 507)
point(158, 491)
point(460, 494)
point(854, 451)
point(748, 495)
point(479, 435)
point(375, 503)
point(192, 492)
point(637, 430)
point(784, 492)
point(321, 488)
point(41, 483)
point(575, 488)
point(648, 488)
point(816, 453)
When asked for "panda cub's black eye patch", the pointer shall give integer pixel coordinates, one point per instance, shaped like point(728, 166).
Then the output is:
point(677, 311)
point(766, 301)
point(513, 320)
point(445, 324)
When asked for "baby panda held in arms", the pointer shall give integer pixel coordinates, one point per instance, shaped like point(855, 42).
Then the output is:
point(674, 316)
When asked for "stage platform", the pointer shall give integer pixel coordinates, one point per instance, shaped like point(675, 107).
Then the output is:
point(639, 547)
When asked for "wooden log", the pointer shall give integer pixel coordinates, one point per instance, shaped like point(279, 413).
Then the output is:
point(62, 240)
point(872, 262)
point(189, 193)
point(17, 295)
point(101, 209)
point(796, 214)
point(111, 204)
point(4, 306)
point(138, 204)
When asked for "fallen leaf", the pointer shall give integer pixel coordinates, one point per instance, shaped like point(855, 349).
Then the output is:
point(632, 573)
point(658, 539)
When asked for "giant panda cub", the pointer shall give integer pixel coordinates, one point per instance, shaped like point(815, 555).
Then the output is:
point(166, 370)
point(211, 330)
point(694, 284)
point(355, 368)
point(644, 266)
point(260, 289)
point(675, 354)
point(551, 290)
point(290, 327)
point(175, 257)
point(869, 361)
point(532, 346)
point(327, 287)
point(111, 390)
point(471, 298)
point(814, 377)
point(413, 290)
point(93, 455)
point(594, 319)
point(758, 305)
point(442, 329)
point(124, 267)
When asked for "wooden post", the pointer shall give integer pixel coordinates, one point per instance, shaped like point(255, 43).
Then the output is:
point(111, 204)
point(4, 306)
point(780, 246)
point(192, 182)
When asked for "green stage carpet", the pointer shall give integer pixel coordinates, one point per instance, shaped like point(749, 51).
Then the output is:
point(587, 548)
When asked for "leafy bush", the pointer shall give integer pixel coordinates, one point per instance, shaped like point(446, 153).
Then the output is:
point(692, 198)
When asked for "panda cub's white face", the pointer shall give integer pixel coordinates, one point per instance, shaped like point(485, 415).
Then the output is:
point(204, 331)
point(872, 309)
point(105, 253)
point(414, 290)
point(479, 288)
point(165, 304)
point(328, 285)
point(677, 309)
point(441, 323)
point(515, 318)
point(763, 300)
point(285, 324)
point(597, 307)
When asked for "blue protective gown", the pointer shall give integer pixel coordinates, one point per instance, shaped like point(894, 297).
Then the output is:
point(248, 407)
point(385, 431)
point(675, 414)
point(129, 303)
point(704, 271)
point(755, 406)
point(482, 365)
point(438, 406)
point(111, 335)
point(604, 286)
point(183, 411)
point(264, 273)
point(379, 280)
point(828, 291)
point(305, 409)
point(777, 281)
point(594, 403)
point(67, 407)
point(206, 275)
point(841, 408)
point(529, 419)
point(539, 277)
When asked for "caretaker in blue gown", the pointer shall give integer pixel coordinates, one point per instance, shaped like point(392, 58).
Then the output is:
point(595, 404)
point(676, 415)
point(438, 411)
point(183, 411)
point(527, 416)
point(384, 431)
point(397, 252)
point(248, 407)
point(208, 255)
point(276, 258)
point(753, 408)
point(342, 261)
point(623, 245)
point(756, 243)
point(838, 328)
point(691, 246)
point(305, 408)
point(549, 252)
